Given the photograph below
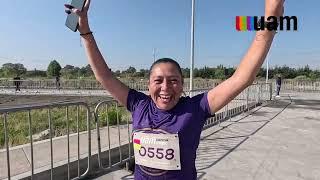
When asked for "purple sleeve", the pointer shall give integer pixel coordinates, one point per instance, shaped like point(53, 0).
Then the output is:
point(134, 99)
point(201, 101)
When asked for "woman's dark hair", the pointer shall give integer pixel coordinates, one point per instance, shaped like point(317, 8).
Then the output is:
point(166, 60)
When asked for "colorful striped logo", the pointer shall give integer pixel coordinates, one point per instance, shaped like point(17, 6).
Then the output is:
point(136, 144)
point(245, 23)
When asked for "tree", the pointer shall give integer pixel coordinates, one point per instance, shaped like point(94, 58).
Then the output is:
point(53, 69)
point(314, 75)
point(117, 73)
point(204, 72)
point(70, 72)
point(229, 72)
point(186, 72)
point(36, 73)
point(131, 70)
point(86, 71)
point(10, 69)
point(142, 73)
point(305, 71)
point(219, 73)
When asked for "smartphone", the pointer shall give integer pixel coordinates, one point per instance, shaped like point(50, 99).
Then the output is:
point(72, 18)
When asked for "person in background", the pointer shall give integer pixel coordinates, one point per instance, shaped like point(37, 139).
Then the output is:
point(278, 85)
point(17, 83)
point(58, 82)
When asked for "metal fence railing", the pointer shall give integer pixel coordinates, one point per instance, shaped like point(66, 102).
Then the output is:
point(51, 84)
point(141, 84)
point(76, 84)
point(110, 115)
point(113, 130)
point(251, 97)
point(51, 114)
point(301, 85)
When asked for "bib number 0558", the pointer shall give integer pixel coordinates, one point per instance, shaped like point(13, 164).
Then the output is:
point(159, 153)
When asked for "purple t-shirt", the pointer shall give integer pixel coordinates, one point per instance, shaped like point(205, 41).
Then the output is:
point(186, 118)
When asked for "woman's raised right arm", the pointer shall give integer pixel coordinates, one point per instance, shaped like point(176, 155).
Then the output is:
point(101, 70)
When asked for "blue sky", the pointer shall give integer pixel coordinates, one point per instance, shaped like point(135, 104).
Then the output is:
point(33, 33)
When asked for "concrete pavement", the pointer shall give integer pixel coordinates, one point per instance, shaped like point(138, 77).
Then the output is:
point(278, 141)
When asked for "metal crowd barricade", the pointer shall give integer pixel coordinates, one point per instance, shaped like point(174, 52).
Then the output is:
point(301, 85)
point(121, 147)
point(49, 107)
point(141, 85)
point(248, 99)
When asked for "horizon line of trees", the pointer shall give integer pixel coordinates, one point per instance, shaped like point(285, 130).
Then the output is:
point(10, 70)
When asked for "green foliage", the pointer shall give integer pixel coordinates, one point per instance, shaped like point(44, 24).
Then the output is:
point(36, 73)
point(53, 69)
point(185, 72)
point(117, 73)
point(219, 72)
point(143, 73)
point(18, 124)
point(286, 72)
point(301, 77)
point(111, 116)
point(86, 71)
point(229, 71)
point(70, 72)
point(314, 75)
point(1, 73)
point(12, 70)
point(131, 70)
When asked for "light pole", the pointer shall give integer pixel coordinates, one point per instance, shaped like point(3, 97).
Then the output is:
point(154, 54)
point(192, 47)
point(267, 73)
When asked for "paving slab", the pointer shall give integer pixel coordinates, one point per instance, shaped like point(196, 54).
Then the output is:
point(279, 141)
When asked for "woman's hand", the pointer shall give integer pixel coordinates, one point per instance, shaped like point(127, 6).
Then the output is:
point(83, 16)
point(274, 8)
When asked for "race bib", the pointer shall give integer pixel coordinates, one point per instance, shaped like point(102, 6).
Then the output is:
point(159, 151)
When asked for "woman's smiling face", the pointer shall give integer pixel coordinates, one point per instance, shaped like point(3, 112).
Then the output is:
point(165, 85)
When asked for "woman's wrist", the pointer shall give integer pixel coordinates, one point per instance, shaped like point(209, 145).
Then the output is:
point(84, 30)
point(84, 27)
point(85, 34)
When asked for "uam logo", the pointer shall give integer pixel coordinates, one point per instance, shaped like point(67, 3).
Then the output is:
point(272, 23)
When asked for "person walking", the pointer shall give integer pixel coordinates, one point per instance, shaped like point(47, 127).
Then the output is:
point(17, 83)
point(278, 85)
point(58, 82)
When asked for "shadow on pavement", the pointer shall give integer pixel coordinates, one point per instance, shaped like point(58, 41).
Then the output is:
point(217, 145)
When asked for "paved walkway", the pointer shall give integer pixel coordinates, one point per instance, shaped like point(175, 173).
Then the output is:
point(279, 141)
